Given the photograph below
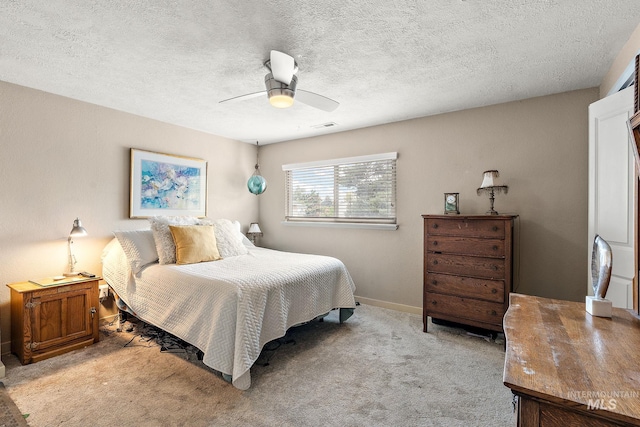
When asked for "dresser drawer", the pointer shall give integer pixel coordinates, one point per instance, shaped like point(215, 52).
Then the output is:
point(466, 245)
point(464, 308)
point(486, 228)
point(490, 290)
point(487, 268)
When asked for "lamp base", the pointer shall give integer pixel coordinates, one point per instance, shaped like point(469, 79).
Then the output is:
point(71, 274)
point(598, 307)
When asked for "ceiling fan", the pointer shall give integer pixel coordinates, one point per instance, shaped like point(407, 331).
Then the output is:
point(281, 86)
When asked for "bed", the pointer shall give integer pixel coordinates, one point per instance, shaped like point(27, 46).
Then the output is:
point(228, 308)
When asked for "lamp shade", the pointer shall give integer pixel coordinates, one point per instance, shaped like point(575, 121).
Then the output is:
point(78, 229)
point(490, 179)
point(254, 228)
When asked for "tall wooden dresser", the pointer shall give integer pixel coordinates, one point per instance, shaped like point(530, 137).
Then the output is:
point(468, 269)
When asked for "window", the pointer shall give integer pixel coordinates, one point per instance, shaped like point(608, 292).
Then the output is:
point(349, 190)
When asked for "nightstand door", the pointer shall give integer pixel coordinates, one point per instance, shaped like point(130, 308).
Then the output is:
point(60, 318)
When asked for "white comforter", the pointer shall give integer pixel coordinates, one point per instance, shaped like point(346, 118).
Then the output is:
point(231, 308)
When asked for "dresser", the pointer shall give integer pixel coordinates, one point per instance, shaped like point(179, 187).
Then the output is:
point(53, 319)
point(569, 368)
point(468, 268)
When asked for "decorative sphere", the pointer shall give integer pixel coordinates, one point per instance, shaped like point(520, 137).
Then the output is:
point(257, 184)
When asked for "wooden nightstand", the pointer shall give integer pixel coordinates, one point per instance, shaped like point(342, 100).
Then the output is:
point(50, 320)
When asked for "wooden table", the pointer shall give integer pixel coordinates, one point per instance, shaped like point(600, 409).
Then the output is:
point(569, 368)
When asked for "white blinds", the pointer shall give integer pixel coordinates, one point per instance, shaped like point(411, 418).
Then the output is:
point(354, 189)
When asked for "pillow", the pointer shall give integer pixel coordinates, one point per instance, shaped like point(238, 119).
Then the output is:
point(194, 243)
point(228, 239)
point(139, 247)
point(162, 236)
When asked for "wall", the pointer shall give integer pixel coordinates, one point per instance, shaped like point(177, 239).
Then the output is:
point(61, 159)
point(540, 147)
point(625, 57)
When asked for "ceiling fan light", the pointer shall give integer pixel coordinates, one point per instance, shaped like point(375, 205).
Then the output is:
point(280, 94)
point(281, 101)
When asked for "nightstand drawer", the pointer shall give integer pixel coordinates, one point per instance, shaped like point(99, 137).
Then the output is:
point(466, 227)
point(466, 245)
point(489, 290)
point(464, 308)
point(487, 268)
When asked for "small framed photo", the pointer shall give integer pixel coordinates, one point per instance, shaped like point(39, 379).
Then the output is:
point(451, 205)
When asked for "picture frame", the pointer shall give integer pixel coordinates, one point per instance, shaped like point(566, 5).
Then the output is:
point(451, 203)
point(166, 184)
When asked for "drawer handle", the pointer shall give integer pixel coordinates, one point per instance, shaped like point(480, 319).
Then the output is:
point(494, 291)
point(435, 262)
point(434, 302)
point(494, 228)
point(435, 225)
point(494, 313)
point(435, 243)
point(494, 267)
point(434, 282)
point(495, 247)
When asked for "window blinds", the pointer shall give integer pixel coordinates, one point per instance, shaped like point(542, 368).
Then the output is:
point(354, 189)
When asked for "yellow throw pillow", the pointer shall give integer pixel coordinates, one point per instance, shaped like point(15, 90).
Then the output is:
point(194, 243)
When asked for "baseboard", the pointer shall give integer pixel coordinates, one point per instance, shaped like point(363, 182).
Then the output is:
point(5, 348)
point(390, 305)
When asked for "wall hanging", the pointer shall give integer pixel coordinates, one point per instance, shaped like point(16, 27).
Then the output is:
point(163, 184)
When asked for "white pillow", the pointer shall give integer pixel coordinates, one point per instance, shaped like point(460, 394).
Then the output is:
point(228, 238)
point(165, 246)
point(139, 246)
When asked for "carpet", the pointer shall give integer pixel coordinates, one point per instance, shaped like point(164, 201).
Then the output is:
point(10, 415)
point(377, 369)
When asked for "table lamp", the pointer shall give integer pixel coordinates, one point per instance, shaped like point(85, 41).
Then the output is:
point(254, 231)
point(490, 186)
point(77, 231)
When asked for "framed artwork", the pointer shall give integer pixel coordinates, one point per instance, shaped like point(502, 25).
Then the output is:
point(164, 184)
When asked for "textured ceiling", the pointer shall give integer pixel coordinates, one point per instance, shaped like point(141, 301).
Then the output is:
point(383, 60)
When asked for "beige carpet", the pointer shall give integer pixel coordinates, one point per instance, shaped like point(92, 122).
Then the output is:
point(377, 369)
point(10, 415)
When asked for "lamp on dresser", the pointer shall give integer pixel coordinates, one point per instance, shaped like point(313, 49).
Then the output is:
point(490, 186)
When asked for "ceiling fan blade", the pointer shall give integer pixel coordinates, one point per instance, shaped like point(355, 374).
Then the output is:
point(282, 66)
point(317, 101)
point(243, 97)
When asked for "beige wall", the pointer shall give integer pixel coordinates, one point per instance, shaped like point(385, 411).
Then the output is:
point(540, 147)
point(626, 55)
point(61, 158)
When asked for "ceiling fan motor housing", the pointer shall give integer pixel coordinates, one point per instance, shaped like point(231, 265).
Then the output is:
point(279, 91)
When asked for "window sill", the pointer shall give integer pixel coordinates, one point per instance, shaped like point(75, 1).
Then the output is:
point(340, 225)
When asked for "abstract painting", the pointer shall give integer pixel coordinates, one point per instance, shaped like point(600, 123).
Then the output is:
point(164, 184)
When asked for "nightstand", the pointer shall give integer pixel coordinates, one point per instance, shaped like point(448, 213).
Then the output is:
point(58, 317)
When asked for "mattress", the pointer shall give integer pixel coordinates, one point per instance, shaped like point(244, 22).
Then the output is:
point(231, 308)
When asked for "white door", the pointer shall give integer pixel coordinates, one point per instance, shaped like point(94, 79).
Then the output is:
point(612, 190)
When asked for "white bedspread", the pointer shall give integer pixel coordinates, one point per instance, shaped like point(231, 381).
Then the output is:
point(231, 308)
